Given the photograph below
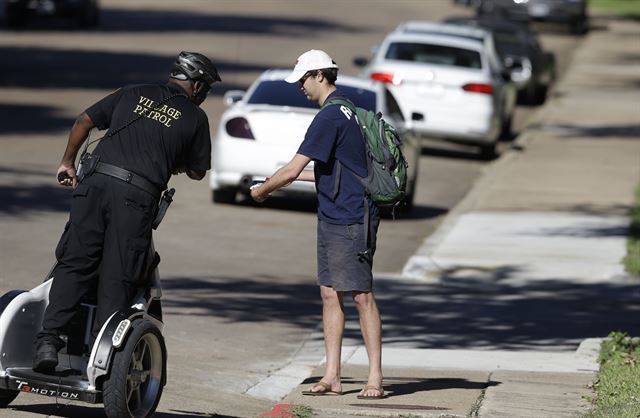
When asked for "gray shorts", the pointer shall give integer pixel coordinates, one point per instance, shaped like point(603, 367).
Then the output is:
point(339, 265)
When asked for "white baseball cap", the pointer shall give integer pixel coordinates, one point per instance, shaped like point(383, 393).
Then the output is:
point(314, 59)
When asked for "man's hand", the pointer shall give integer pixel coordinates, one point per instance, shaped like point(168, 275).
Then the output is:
point(67, 176)
point(284, 176)
point(256, 195)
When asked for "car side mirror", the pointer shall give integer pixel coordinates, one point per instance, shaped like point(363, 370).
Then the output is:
point(232, 96)
point(360, 61)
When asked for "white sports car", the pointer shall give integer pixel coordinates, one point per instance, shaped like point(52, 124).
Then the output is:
point(263, 128)
point(448, 80)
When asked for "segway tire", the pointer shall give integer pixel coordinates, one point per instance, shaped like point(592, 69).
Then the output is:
point(137, 376)
point(7, 396)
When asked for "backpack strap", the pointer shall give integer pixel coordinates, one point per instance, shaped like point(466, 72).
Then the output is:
point(340, 101)
point(347, 103)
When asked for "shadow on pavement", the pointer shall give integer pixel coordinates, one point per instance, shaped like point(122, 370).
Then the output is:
point(60, 410)
point(418, 212)
point(460, 153)
point(98, 69)
point(631, 132)
point(141, 20)
point(235, 299)
point(408, 385)
point(591, 209)
point(485, 309)
point(19, 201)
point(190, 414)
point(78, 411)
point(127, 20)
point(30, 119)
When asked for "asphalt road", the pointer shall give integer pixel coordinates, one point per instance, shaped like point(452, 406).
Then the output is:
point(240, 294)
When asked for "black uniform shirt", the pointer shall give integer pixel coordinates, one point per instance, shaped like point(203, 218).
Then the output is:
point(168, 136)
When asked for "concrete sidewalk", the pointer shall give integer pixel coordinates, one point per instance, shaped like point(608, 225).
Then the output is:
point(500, 312)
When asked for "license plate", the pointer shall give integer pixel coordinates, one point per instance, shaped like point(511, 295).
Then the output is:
point(430, 89)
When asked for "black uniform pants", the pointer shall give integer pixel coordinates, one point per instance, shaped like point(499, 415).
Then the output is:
point(104, 246)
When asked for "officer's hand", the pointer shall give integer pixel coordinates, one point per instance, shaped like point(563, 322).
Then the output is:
point(67, 176)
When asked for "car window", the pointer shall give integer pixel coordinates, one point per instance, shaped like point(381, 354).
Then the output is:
point(360, 97)
point(280, 93)
point(434, 54)
point(508, 43)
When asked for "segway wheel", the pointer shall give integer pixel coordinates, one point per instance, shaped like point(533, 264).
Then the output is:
point(134, 385)
point(7, 396)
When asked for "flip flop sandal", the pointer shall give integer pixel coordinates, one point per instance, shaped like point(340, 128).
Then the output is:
point(370, 387)
point(325, 392)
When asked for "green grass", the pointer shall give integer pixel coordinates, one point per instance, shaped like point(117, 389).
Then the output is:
point(632, 259)
point(301, 411)
point(627, 8)
point(618, 385)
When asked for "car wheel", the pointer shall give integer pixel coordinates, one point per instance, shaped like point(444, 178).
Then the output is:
point(578, 26)
point(488, 152)
point(506, 133)
point(541, 94)
point(225, 195)
point(531, 94)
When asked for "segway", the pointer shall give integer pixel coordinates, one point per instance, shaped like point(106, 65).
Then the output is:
point(125, 368)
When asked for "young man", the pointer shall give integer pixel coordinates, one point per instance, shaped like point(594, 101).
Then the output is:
point(335, 135)
point(154, 131)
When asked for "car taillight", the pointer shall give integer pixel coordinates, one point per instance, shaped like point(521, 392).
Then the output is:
point(478, 88)
point(386, 78)
point(239, 128)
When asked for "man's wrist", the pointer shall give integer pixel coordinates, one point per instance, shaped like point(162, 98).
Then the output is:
point(261, 193)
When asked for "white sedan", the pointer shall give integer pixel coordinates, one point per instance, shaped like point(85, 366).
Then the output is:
point(264, 127)
point(449, 82)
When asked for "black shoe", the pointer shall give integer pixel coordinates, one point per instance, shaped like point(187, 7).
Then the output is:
point(46, 358)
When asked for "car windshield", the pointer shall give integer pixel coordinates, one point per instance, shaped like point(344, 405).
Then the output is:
point(508, 43)
point(281, 93)
point(433, 54)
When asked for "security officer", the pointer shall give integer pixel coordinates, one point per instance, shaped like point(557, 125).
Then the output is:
point(154, 131)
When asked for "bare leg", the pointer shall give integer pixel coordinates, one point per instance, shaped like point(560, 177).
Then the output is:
point(371, 328)
point(333, 326)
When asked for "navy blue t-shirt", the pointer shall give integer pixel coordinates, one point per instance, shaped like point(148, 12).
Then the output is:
point(334, 134)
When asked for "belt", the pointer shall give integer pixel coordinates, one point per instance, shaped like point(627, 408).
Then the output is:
point(129, 177)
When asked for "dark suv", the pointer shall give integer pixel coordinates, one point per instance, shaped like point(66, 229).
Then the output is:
point(570, 12)
point(532, 68)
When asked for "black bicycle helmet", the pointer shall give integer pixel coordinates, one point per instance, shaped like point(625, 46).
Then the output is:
point(196, 67)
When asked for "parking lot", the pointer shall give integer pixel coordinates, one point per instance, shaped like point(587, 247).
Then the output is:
point(240, 294)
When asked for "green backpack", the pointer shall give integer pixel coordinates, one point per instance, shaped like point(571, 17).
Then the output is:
point(386, 182)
